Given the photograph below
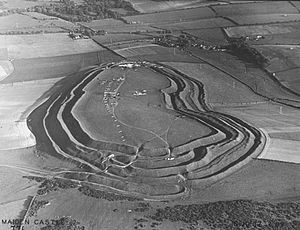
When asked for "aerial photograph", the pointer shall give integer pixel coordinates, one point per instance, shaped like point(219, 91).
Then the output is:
point(149, 115)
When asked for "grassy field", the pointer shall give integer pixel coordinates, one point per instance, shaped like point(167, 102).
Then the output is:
point(279, 39)
point(17, 21)
point(15, 100)
point(99, 213)
point(119, 38)
point(256, 79)
point(146, 6)
point(45, 45)
point(104, 23)
point(280, 7)
point(117, 26)
point(264, 18)
point(39, 16)
point(272, 29)
point(13, 4)
point(283, 150)
point(196, 24)
point(220, 89)
point(138, 118)
point(154, 53)
point(6, 68)
point(32, 22)
point(281, 57)
point(174, 16)
point(214, 36)
point(290, 78)
point(274, 119)
point(60, 66)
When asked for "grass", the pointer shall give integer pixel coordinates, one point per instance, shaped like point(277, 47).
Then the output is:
point(139, 118)
point(242, 31)
point(281, 57)
point(116, 26)
point(283, 150)
point(31, 23)
point(119, 38)
point(174, 16)
point(14, 4)
point(6, 68)
point(45, 45)
point(290, 79)
point(279, 39)
point(195, 24)
point(256, 79)
point(220, 89)
point(255, 8)
point(264, 18)
point(53, 67)
point(15, 100)
point(214, 36)
point(155, 53)
point(156, 6)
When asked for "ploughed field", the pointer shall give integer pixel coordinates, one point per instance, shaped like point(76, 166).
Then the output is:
point(141, 129)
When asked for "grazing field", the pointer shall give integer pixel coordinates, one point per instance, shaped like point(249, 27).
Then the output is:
point(282, 150)
point(281, 57)
point(17, 21)
point(254, 78)
point(31, 23)
point(103, 23)
point(279, 39)
point(6, 68)
point(270, 117)
point(169, 17)
point(13, 4)
point(264, 18)
point(14, 192)
point(116, 26)
point(278, 122)
point(45, 45)
point(276, 181)
point(138, 113)
point(214, 36)
point(220, 89)
point(119, 38)
point(152, 52)
point(60, 66)
point(101, 212)
point(280, 7)
point(272, 29)
point(196, 24)
point(290, 78)
point(39, 16)
point(15, 100)
point(296, 4)
point(146, 6)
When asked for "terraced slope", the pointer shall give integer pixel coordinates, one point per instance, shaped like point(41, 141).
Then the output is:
point(144, 129)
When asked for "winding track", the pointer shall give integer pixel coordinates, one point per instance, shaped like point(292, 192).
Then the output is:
point(164, 173)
